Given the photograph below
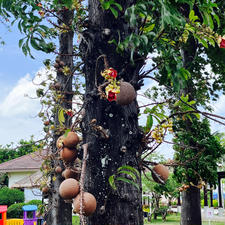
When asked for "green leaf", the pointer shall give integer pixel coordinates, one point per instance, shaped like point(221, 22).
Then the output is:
point(66, 132)
point(21, 42)
point(149, 123)
point(118, 6)
point(126, 167)
point(114, 12)
point(106, 5)
point(24, 49)
point(207, 18)
point(149, 28)
point(112, 181)
point(197, 115)
point(217, 19)
point(129, 173)
point(128, 181)
point(61, 117)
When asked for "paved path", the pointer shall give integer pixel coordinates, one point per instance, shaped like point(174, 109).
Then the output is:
point(215, 218)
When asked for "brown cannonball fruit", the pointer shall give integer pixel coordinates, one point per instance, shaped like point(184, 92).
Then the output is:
point(68, 155)
point(162, 171)
point(127, 94)
point(56, 65)
point(71, 140)
point(59, 142)
point(46, 123)
point(57, 86)
point(69, 188)
point(61, 63)
point(58, 169)
point(89, 204)
point(69, 173)
point(45, 189)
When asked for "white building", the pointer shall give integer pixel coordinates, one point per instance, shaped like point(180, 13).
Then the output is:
point(24, 173)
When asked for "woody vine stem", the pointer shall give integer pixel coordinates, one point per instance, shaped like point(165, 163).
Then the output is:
point(83, 169)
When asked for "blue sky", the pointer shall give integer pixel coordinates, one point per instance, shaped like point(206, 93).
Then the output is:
point(17, 113)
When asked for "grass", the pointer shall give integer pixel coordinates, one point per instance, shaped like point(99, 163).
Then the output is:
point(175, 220)
point(75, 220)
point(170, 220)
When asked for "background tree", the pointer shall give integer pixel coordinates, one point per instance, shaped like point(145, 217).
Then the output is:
point(196, 173)
point(9, 152)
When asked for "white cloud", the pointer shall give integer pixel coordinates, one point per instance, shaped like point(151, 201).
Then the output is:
point(18, 114)
point(16, 104)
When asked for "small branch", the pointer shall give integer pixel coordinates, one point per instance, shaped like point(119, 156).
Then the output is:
point(25, 145)
point(144, 74)
point(83, 170)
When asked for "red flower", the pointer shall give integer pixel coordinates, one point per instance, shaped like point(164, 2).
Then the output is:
point(39, 4)
point(112, 73)
point(111, 96)
point(222, 43)
point(69, 113)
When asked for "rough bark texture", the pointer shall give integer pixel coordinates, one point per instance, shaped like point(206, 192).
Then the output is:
point(123, 206)
point(60, 212)
point(205, 196)
point(191, 209)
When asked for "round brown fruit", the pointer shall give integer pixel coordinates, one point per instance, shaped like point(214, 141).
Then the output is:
point(56, 65)
point(71, 140)
point(68, 155)
point(69, 173)
point(161, 171)
point(45, 189)
point(59, 142)
point(57, 85)
point(89, 204)
point(58, 169)
point(46, 123)
point(69, 188)
point(127, 94)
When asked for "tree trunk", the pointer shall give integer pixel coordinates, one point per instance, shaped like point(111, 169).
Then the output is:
point(60, 212)
point(190, 207)
point(205, 196)
point(123, 205)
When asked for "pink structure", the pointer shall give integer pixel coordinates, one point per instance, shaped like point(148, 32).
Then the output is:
point(3, 211)
point(26, 209)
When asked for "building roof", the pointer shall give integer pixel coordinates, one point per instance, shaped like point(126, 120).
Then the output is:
point(29, 162)
point(31, 181)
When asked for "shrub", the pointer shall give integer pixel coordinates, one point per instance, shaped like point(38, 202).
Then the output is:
point(215, 203)
point(10, 196)
point(15, 211)
point(34, 202)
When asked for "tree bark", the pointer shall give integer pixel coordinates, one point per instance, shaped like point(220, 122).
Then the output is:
point(60, 212)
point(123, 205)
point(205, 196)
point(190, 208)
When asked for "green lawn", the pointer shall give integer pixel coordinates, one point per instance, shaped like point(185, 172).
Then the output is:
point(170, 220)
point(175, 220)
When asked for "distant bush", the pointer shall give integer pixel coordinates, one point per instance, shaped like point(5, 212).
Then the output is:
point(215, 203)
point(34, 202)
point(10, 196)
point(16, 210)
